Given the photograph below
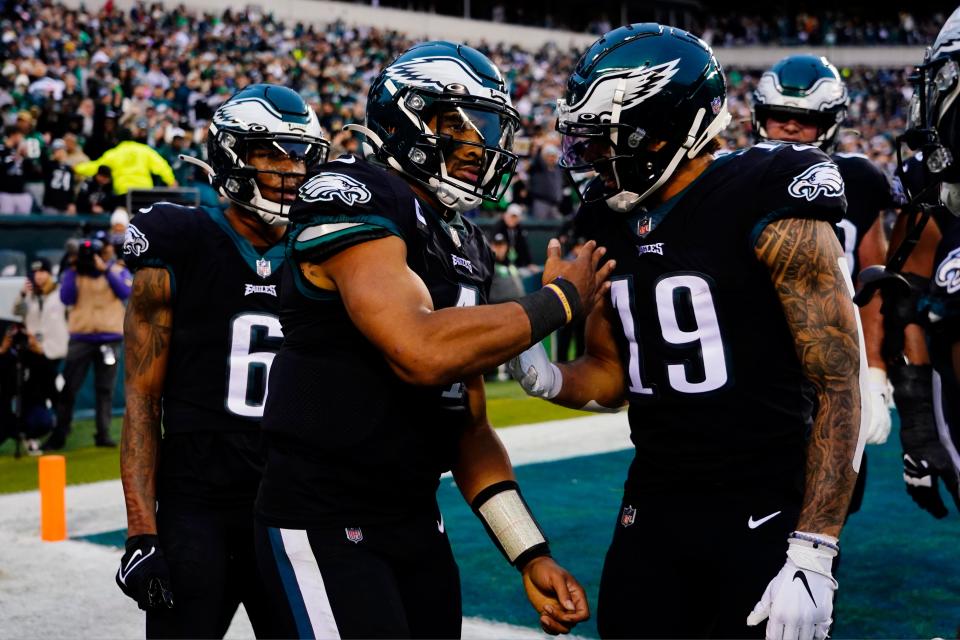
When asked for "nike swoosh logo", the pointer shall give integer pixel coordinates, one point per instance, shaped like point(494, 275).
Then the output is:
point(806, 585)
point(440, 524)
point(345, 159)
point(753, 524)
point(133, 563)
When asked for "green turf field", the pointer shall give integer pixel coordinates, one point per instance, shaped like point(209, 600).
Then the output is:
point(506, 402)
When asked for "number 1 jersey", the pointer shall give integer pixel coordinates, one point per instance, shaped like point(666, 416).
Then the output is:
point(717, 397)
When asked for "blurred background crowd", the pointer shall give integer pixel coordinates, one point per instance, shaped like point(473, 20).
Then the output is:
point(95, 102)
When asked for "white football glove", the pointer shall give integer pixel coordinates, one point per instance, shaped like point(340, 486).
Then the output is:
point(881, 395)
point(536, 374)
point(799, 600)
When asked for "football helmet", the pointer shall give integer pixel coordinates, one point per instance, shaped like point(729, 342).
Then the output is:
point(933, 118)
point(642, 100)
point(806, 87)
point(440, 114)
point(262, 116)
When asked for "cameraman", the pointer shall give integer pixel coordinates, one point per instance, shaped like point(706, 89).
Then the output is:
point(27, 387)
point(95, 287)
point(43, 313)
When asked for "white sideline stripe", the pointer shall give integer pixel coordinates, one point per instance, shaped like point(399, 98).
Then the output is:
point(297, 548)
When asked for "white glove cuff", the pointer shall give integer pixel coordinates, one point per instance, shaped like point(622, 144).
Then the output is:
point(877, 380)
point(551, 392)
point(813, 552)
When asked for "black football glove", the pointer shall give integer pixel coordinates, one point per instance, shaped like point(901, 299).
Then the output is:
point(143, 574)
point(925, 460)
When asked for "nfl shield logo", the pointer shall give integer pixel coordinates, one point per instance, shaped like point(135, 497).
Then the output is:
point(354, 534)
point(715, 105)
point(263, 268)
point(628, 516)
point(645, 226)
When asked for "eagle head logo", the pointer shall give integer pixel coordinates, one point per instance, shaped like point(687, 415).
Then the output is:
point(821, 179)
point(324, 187)
point(948, 273)
point(134, 241)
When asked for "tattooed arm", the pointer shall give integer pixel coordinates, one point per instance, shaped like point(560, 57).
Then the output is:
point(146, 332)
point(804, 258)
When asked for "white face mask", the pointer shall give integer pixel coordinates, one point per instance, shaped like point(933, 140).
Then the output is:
point(950, 196)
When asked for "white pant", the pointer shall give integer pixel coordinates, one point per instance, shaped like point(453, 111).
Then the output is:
point(15, 203)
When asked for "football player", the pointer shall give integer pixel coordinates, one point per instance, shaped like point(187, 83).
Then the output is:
point(803, 99)
point(377, 389)
point(930, 449)
point(201, 332)
point(731, 333)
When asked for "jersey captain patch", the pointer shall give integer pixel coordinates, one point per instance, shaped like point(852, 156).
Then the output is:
point(324, 187)
point(821, 179)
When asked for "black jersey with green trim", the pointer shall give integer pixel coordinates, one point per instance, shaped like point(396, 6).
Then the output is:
point(717, 396)
point(348, 441)
point(226, 327)
point(869, 193)
point(940, 308)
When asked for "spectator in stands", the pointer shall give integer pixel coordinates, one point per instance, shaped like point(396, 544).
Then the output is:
point(14, 198)
point(507, 284)
point(59, 193)
point(134, 165)
point(96, 194)
point(75, 154)
point(34, 150)
point(511, 228)
point(182, 171)
point(546, 184)
point(95, 287)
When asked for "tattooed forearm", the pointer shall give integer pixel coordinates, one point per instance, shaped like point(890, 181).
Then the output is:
point(804, 260)
point(147, 329)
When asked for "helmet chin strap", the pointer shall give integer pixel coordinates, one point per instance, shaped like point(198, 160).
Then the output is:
point(273, 213)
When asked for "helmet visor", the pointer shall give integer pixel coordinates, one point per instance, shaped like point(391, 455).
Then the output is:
point(311, 151)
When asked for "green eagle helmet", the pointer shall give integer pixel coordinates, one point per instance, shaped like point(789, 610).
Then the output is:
point(643, 100)
point(806, 87)
point(443, 80)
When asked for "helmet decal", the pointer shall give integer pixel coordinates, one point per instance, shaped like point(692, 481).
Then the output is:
point(948, 273)
point(439, 72)
point(248, 115)
point(637, 85)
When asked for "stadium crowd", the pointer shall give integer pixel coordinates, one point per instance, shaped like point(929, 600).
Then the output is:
point(75, 84)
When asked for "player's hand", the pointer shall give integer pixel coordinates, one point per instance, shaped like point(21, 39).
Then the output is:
point(555, 594)
point(881, 394)
point(591, 282)
point(798, 602)
point(143, 574)
point(925, 463)
point(536, 374)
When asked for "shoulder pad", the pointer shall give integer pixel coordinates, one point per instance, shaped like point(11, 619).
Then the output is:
point(348, 201)
point(159, 235)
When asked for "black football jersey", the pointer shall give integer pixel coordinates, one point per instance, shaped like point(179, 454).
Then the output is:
point(941, 310)
point(869, 193)
point(346, 437)
point(226, 327)
point(717, 396)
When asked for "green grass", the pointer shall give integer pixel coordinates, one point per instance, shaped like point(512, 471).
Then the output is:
point(85, 462)
point(507, 405)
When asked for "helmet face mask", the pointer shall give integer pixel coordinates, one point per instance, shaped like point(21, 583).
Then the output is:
point(260, 144)
point(439, 114)
point(643, 100)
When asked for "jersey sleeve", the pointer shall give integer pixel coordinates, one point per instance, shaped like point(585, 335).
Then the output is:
point(344, 204)
point(941, 305)
point(800, 181)
point(158, 235)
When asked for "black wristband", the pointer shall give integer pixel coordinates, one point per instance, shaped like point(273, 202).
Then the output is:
point(550, 308)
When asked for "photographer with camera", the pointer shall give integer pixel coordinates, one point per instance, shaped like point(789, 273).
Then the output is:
point(95, 286)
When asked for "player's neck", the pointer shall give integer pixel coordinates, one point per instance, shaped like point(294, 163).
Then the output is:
point(252, 228)
point(684, 176)
point(431, 199)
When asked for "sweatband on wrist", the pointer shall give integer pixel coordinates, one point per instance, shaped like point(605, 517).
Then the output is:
point(509, 523)
point(550, 308)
